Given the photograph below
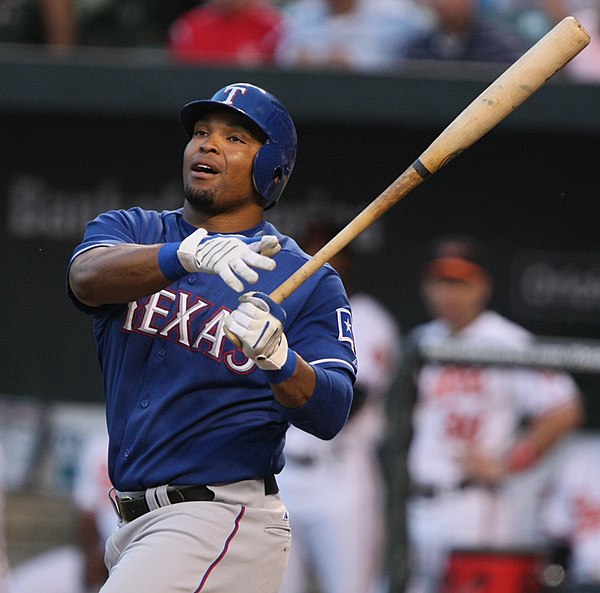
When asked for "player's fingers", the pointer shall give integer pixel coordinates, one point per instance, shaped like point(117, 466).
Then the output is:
point(261, 338)
point(265, 303)
point(268, 246)
point(230, 279)
point(233, 323)
point(254, 298)
point(256, 335)
point(241, 269)
point(251, 311)
point(258, 261)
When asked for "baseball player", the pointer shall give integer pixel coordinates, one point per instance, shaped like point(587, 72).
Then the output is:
point(196, 425)
point(468, 447)
point(571, 510)
point(333, 489)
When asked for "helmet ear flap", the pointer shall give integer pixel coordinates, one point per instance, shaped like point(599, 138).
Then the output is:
point(270, 173)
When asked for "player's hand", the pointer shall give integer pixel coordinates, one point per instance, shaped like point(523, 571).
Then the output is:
point(258, 325)
point(484, 468)
point(230, 256)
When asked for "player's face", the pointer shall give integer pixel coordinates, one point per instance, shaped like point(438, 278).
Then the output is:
point(455, 301)
point(217, 163)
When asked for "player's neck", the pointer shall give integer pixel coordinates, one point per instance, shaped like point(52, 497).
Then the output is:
point(224, 222)
point(459, 323)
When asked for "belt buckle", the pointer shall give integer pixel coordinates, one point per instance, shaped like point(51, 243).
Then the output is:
point(125, 498)
point(120, 500)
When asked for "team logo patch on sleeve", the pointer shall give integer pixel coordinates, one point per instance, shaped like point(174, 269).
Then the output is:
point(344, 321)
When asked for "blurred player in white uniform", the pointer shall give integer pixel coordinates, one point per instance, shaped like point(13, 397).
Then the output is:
point(571, 511)
point(334, 489)
point(476, 430)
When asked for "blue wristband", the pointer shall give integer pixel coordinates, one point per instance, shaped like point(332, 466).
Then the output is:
point(285, 372)
point(169, 263)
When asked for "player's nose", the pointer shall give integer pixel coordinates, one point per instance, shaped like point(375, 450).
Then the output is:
point(209, 143)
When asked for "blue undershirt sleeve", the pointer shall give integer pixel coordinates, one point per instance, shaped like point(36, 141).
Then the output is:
point(327, 410)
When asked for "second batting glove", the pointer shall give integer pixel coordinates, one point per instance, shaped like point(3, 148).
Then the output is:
point(258, 324)
point(229, 256)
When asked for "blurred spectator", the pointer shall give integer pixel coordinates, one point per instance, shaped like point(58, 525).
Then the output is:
point(333, 489)
point(528, 18)
point(584, 67)
point(96, 515)
point(365, 35)
point(477, 431)
point(50, 22)
point(464, 33)
point(77, 568)
point(571, 511)
point(243, 32)
point(128, 23)
point(534, 18)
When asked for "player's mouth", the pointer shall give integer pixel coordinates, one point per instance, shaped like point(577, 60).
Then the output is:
point(203, 171)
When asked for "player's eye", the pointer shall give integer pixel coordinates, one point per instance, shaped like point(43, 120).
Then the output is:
point(236, 138)
point(200, 132)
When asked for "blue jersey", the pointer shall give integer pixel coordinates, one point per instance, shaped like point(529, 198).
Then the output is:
point(184, 405)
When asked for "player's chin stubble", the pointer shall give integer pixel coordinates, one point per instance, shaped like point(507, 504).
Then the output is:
point(204, 201)
point(201, 200)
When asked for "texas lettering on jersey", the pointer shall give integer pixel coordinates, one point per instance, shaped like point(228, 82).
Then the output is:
point(171, 314)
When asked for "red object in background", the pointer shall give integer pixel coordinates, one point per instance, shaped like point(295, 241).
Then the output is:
point(206, 34)
point(494, 571)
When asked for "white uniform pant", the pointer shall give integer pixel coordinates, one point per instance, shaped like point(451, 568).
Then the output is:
point(238, 543)
point(335, 513)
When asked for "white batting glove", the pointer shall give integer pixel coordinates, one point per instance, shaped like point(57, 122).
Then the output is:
point(229, 256)
point(258, 324)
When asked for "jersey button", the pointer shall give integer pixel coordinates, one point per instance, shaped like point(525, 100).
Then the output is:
point(144, 403)
point(126, 453)
point(191, 279)
point(162, 351)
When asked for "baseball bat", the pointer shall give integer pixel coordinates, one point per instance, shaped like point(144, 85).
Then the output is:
point(542, 61)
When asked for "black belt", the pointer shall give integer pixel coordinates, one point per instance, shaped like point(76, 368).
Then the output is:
point(431, 491)
point(302, 460)
point(132, 507)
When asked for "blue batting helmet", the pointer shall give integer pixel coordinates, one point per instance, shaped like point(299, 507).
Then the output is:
point(275, 160)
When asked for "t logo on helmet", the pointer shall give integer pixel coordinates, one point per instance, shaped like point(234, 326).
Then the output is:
point(231, 92)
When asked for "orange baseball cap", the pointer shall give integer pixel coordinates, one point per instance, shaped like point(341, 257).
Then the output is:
point(455, 258)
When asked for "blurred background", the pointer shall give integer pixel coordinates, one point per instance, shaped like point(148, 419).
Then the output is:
point(89, 98)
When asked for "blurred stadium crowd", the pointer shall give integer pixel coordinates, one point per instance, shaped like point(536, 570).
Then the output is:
point(365, 35)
